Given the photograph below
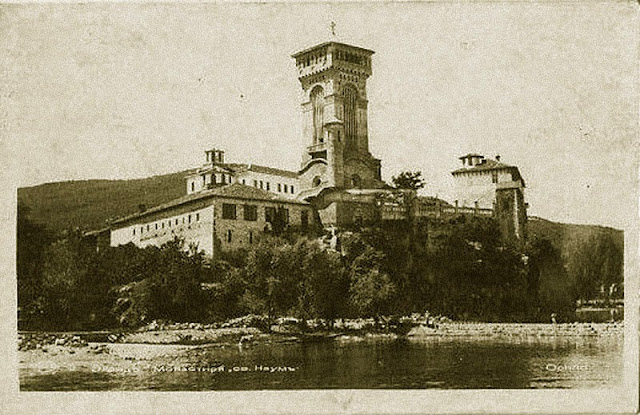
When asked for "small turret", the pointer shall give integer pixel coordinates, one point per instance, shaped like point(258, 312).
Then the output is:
point(471, 160)
point(215, 156)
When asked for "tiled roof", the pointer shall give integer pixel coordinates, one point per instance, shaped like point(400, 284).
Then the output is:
point(233, 191)
point(96, 232)
point(302, 52)
point(272, 170)
point(240, 167)
point(206, 169)
point(488, 164)
point(470, 155)
point(432, 201)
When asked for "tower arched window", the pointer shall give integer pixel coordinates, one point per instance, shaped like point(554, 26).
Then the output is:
point(317, 105)
point(350, 97)
point(356, 181)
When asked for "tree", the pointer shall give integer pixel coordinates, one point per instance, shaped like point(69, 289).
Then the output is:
point(64, 288)
point(180, 277)
point(596, 264)
point(164, 282)
point(550, 288)
point(272, 270)
point(32, 240)
point(327, 282)
point(408, 180)
point(371, 290)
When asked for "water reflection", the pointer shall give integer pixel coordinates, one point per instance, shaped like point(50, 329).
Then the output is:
point(447, 363)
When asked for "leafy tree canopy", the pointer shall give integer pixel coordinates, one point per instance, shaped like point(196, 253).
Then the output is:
point(408, 180)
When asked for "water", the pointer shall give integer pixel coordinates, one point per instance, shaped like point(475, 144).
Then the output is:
point(432, 363)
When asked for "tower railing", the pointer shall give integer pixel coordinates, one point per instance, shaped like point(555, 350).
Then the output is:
point(314, 148)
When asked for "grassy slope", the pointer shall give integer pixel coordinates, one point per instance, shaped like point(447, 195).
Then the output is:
point(87, 204)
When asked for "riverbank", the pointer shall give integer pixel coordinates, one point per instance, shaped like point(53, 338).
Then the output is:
point(243, 331)
point(470, 329)
point(171, 346)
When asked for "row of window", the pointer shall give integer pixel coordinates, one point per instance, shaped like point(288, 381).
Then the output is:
point(229, 211)
point(282, 188)
point(186, 219)
point(225, 178)
point(349, 57)
point(317, 57)
point(230, 236)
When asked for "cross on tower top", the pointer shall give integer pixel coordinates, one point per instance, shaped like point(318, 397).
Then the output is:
point(333, 28)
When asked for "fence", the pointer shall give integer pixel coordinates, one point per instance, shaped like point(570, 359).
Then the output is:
point(397, 212)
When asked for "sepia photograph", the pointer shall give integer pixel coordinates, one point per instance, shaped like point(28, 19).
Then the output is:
point(349, 201)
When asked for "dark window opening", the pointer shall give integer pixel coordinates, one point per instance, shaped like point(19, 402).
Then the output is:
point(356, 181)
point(269, 214)
point(229, 236)
point(250, 212)
point(358, 220)
point(228, 211)
point(317, 104)
point(350, 95)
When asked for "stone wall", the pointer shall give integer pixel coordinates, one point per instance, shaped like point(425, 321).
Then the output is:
point(366, 168)
point(478, 186)
point(246, 232)
point(194, 223)
point(510, 212)
point(203, 223)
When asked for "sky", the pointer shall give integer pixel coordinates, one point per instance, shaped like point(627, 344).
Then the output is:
point(115, 91)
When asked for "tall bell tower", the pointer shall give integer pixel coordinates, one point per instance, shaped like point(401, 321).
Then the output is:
point(333, 77)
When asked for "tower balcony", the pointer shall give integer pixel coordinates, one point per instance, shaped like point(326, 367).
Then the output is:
point(317, 148)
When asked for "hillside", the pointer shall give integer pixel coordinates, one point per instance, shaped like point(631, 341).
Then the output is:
point(570, 237)
point(87, 204)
